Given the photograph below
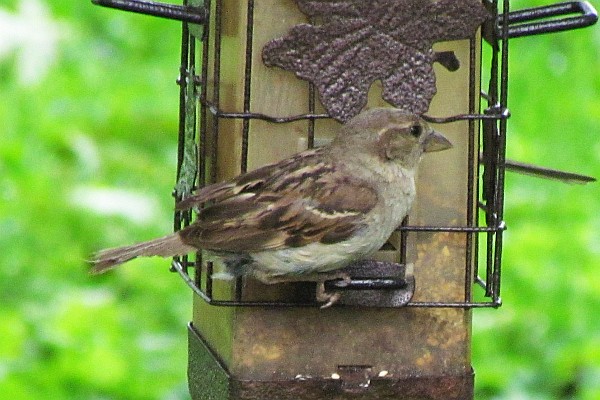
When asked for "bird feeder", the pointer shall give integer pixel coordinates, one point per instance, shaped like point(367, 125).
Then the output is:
point(263, 79)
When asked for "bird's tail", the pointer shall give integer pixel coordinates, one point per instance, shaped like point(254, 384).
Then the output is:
point(167, 246)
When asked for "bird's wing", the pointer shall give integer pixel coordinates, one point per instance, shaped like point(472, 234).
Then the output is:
point(246, 183)
point(289, 204)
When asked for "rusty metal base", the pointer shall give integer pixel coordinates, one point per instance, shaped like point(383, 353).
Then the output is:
point(208, 379)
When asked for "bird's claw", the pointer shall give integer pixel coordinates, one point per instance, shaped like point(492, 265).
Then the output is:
point(330, 298)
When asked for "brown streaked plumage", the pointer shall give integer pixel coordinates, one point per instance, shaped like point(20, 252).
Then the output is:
point(314, 212)
point(282, 205)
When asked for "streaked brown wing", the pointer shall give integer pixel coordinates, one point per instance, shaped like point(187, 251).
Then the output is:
point(250, 182)
point(207, 193)
point(307, 202)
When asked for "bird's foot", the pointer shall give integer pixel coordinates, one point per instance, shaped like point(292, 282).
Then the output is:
point(330, 298)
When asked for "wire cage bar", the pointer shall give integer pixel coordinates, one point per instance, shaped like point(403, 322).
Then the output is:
point(202, 111)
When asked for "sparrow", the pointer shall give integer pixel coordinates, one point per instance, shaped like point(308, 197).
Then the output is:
point(308, 215)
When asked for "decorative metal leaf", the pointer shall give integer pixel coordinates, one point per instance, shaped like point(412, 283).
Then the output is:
point(361, 41)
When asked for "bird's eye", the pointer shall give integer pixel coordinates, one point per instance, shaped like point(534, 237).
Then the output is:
point(416, 130)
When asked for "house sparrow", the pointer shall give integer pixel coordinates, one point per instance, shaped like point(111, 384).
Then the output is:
point(310, 214)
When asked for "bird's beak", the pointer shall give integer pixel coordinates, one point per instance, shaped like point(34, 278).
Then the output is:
point(435, 142)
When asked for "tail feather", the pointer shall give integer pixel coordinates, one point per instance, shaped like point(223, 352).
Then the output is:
point(167, 246)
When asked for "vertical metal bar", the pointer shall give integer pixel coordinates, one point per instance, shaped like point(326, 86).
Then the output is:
point(247, 101)
point(490, 161)
point(215, 119)
point(247, 83)
point(471, 157)
point(311, 121)
point(489, 170)
point(310, 139)
point(209, 282)
point(181, 81)
point(216, 93)
point(202, 125)
point(403, 242)
point(490, 257)
point(190, 80)
point(501, 149)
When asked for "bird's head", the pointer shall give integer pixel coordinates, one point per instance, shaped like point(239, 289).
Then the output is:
point(392, 134)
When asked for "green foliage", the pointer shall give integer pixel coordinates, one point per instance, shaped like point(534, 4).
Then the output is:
point(104, 115)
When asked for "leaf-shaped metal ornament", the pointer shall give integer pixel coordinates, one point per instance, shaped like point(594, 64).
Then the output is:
point(359, 42)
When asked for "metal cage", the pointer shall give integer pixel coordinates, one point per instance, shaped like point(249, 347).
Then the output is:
point(201, 112)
